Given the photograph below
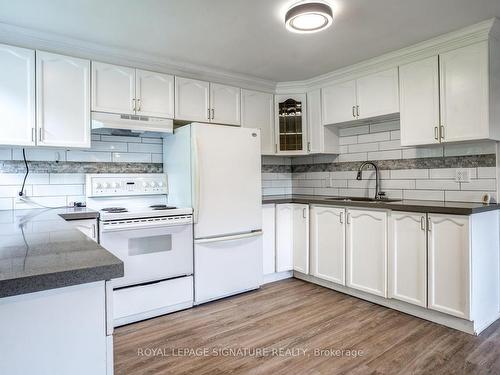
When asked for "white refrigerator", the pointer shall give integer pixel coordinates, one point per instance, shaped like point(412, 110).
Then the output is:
point(217, 170)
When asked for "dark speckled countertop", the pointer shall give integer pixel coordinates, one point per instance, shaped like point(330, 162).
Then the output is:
point(39, 250)
point(455, 208)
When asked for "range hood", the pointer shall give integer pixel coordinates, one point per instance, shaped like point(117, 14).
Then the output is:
point(135, 123)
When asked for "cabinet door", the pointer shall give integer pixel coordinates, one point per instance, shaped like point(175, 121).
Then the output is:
point(408, 257)
point(192, 100)
point(419, 102)
point(315, 143)
point(284, 237)
point(301, 238)
point(291, 124)
point(268, 238)
point(63, 100)
point(367, 251)
point(113, 88)
point(449, 264)
point(338, 103)
point(328, 243)
point(154, 94)
point(378, 94)
point(17, 95)
point(225, 104)
point(87, 227)
point(257, 112)
point(464, 93)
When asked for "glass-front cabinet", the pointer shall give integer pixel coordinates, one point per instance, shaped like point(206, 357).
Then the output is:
point(291, 124)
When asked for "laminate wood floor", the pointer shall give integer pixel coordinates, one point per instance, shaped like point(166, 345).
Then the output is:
point(294, 327)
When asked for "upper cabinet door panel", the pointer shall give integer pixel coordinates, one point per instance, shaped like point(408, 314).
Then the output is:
point(257, 111)
point(63, 100)
point(225, 104)
point(419, 102)
point(192, 100)
point(339, 103)
point(464, 93)
point(17, 95)
point(378, 94)
point(316, 131)
point(155, 94)
point(113, 88)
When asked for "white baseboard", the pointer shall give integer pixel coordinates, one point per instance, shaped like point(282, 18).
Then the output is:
point(272, 277)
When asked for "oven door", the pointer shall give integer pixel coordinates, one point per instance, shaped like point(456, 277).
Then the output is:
point(150, 250)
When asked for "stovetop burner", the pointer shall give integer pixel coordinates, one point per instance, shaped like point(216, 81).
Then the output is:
point(158, 207)
point(115, 210)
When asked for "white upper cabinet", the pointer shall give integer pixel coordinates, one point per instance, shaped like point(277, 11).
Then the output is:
point(327, 238)
point(339, 103)
point(449, 265)
point(257, 111)
point(320, 139)
point(291, 124)
point(464, 90)
point(419, 102)
point(17, 95)
point(377, 94)
point(154, 94)
point(113, 88)
point(192, 100)
point(366, 251)
point(369, 96)
point(63, 100)
point(301, 238)
point(225, 102)
point(408, 257)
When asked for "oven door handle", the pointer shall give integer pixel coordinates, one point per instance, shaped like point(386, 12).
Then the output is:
point(121, 228)
point(229, 238)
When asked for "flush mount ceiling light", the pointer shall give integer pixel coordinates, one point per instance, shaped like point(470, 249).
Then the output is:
point(308, 17)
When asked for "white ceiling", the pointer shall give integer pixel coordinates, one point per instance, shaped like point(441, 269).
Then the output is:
point(248, 36)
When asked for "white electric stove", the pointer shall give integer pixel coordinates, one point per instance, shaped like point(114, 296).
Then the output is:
point(154, 241)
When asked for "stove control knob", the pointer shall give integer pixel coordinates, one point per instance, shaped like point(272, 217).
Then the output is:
point(107, 185)
point(160, 184)
point(145, 184)
point(98, 186)
point(155, 184)
point(117, 185)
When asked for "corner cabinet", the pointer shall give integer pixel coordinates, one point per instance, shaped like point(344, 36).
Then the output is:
point(257, 111)
point(63, 100)
point(291, 124)
point(17, 96)
point(327, 239)
point(451, 97)
point(292, 237)
point(366, 251)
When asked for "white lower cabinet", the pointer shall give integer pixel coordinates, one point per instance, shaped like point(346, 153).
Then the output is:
point(408, 257)
point(268, 238)
point(327, 242)
point(449, 264)
point(292, 237)
point(366, 249)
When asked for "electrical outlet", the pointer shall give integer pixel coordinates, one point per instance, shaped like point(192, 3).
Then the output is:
point(462, 175)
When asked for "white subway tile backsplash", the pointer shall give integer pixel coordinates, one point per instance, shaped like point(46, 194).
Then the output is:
point(156, 158)
point(57, 190)
point(152, 140)
point(348, 140)
point(17, 178)
point(374, 137)
point(428, 195)
point(389, 145)
point(39, 154)
point(483, 184)
point(423, 152)
point(467, 196)
point(397, 184)
point(361, 156)
point(354, 130)
point(12, 191)
point(96, 156)
point(145, 147)
point(117, 138)
point(477, 148)
point(131, 157)
point(109, 146)
point(363, 147)
point(396, 134)
point(384, 155)
point(67, 178)
point(6, 203)
point(409, 173)
point(5, 154)
point(486, 172)
point(384, 126)
point(327, 191)
point(437, 185)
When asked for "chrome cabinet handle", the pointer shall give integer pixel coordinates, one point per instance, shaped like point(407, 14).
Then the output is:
point(341, 217)
point(422, 222)
point(308, 146)
point(348, 218)
point(428, 224)
point(32, 134)
point(139, 105)
point(93, 232)
point(40, 136)
point(304, 213)
point(441, 130)
point(353, 111)
point(357, 110)
point(436, 137)
point(208, 113)
point(133, 105)
point(213, 114)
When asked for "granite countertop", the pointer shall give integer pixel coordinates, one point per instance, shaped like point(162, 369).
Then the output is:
point(456, 208)
point(39, 250)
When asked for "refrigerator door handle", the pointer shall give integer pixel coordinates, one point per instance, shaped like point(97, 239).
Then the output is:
point(196, 176)
point(230, 238)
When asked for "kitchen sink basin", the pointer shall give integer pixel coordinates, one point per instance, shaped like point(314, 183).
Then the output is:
point(361, 199)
